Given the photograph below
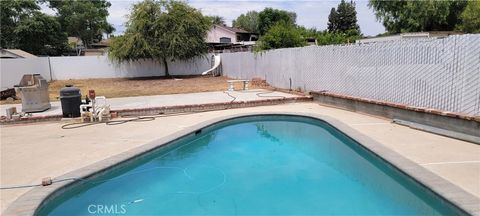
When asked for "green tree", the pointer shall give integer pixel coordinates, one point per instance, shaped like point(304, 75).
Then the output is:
point(332, 24)
point(11, 13)
point(343, 19)
point(216, 20)
point(308, 33)
point(329, 38)
point(109, 29)
point(413, 16)
point(247, 22)
point(86, 20)
point(269, 17)
point(162, 31)
point(24, 27)
point(281, 35)
point(470, 18)
point(41, 34)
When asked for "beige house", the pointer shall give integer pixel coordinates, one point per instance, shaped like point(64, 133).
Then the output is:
point(96, 49)
point(222, 39)
point(225, 34)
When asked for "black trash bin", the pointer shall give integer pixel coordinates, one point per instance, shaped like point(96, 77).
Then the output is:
point(71, 99)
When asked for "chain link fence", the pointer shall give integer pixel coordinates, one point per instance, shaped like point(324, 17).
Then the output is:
point(442, 74)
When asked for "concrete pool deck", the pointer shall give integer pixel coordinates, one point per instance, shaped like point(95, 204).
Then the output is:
point(31, 152)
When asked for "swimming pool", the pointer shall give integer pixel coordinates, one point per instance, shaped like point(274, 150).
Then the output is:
point(275, 165)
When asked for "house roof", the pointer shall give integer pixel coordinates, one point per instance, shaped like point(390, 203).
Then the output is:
point(232, 29)
point(8, 53)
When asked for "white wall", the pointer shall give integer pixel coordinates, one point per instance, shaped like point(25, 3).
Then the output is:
point(87, 67)
point(12, 70)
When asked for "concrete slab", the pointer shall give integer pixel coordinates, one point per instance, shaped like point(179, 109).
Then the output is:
point(169, 100)
point(31, 152)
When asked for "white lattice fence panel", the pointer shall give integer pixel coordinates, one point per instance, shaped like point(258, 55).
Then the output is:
point(435, 73)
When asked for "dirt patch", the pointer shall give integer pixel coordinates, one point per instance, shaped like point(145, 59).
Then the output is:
point(128, 87)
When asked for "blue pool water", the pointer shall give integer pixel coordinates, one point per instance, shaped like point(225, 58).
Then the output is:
point(267, 165)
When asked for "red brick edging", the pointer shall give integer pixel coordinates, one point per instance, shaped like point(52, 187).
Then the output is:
point(209, 106)
point(401, 106)
point(172, 109)
point(32, 119)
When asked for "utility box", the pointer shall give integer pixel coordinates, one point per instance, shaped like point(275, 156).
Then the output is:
point(71, 99)
point(34, 91)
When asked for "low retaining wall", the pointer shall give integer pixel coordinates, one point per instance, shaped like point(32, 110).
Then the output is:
point(207, 107)
point(456, 122)
point(32, 119)
point(191, 108)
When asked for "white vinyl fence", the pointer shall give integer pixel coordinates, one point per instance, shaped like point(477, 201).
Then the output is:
point(88, 67)
point(435, 73)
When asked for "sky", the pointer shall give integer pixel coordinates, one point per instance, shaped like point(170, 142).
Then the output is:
point(310, 13)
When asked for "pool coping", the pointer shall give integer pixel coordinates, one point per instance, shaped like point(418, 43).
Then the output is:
point(31, 201)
